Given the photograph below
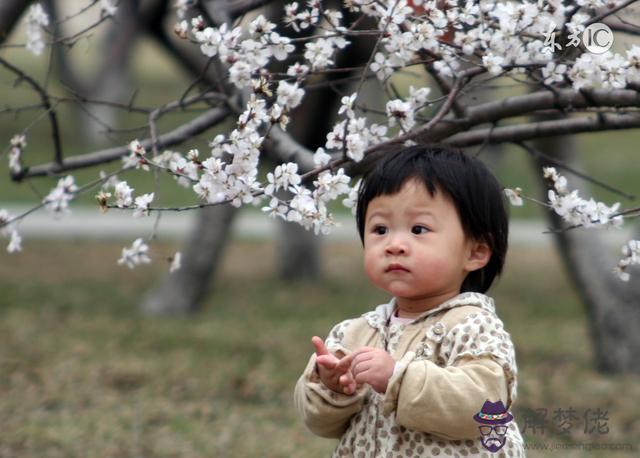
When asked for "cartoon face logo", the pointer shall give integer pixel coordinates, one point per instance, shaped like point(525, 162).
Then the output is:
point(493, 419)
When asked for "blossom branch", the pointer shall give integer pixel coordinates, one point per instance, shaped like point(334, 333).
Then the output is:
point(179, 135)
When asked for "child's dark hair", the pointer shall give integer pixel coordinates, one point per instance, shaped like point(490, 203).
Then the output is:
point(475, 192)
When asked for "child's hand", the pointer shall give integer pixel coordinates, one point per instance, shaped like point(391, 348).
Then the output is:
point(373, 366)
point(334, 372)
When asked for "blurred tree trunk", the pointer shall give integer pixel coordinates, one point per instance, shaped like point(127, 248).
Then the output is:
point(10, 11)
point(182, 292)
point(113, 80)
point(612, 306)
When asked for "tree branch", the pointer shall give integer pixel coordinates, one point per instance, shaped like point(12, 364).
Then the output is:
point(46, 102)
point(283, 147)
point(529, 131)
point(179, 135)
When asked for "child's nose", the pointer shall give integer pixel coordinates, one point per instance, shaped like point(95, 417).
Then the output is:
point(397, 245)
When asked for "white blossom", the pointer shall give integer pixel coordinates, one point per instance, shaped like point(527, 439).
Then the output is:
point(15, 244)
point(514, 196)
point(108, 7)
point(57, 201)
point(135, 255)
point(631, 253)
point(298, 70)
point(336, 138)
point(176, 262)
point(576, 210)
point(18, 143)
point(347, 105)
point(329, 187)
point(289, 95)
point(321, 158)
point(280, 46)
point(401, 112)
point(319, 53)
point(260, 26)
point(210, 40)
point(493, 63)
point(418, 97)
point(633, 63)
point(276, 209)
point(181, 7)
point(36, 20)
point(142, 204)
point(553, 73)
point(240, 74)
point(122, 193)
point(352, 197)
point(381, 66)
point(5, 226)
point(284, 176)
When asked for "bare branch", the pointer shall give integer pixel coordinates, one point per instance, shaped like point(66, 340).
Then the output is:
point(608, 13)
point(544, 129)
point(44, 96)
point(540, 155)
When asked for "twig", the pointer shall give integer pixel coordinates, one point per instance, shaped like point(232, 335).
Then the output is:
point(537, 154)
point(44, 96)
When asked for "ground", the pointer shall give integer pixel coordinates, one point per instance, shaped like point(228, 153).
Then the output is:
point(83, 375)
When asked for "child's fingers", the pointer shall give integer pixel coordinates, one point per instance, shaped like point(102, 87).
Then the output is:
point(360, 367)
point(319, 345)
point(348, 383)
point(328, 361)
point(363, 377)
point(347, 361)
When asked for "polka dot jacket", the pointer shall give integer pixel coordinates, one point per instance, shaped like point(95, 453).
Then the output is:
point(450, 360)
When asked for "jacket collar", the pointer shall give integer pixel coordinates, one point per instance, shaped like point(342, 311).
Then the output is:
point(379, 317)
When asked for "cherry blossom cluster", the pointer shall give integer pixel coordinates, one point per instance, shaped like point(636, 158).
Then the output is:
point(7, 229)
point(575, 210)
point(135, 255)
point(108, 7)
point(18, 144)
point(501, 38)
point(57, 201)
point(631, 253)
point(35, 21)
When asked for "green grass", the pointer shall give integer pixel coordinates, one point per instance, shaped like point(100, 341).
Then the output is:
point(82, 374)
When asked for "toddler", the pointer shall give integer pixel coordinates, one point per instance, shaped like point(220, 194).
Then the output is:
point(432, 372)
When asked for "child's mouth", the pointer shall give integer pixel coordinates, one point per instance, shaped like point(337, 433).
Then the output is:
point(396, 268)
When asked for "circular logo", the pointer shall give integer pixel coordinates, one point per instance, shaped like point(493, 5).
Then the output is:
point(597, 38)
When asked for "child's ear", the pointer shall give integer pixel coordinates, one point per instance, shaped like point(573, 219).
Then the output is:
point(479, 256)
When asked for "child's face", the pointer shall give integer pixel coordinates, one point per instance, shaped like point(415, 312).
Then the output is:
point(415, 247)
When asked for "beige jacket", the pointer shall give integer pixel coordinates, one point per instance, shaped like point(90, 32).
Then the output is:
point(450, 361)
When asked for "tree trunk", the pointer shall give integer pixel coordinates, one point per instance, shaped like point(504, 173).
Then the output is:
point(182, 292)
point(10, 11)
point(298, 252)
point(612, 306)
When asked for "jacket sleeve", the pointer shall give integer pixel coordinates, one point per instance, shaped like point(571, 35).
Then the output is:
point(478, 364)
point(324, 411)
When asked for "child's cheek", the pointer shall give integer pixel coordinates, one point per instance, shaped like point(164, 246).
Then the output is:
point(434, 267)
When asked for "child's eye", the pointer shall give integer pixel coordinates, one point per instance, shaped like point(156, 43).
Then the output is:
point(379, 230)
point(418, 229)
